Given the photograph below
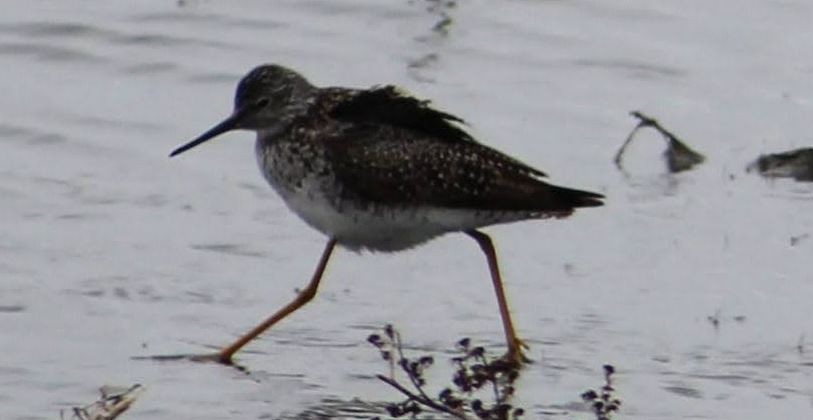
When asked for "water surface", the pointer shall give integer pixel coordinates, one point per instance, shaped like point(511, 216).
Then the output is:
point(109, 250)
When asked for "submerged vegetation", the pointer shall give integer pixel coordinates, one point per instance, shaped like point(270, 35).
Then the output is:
point(603, 401)
point(481, 387)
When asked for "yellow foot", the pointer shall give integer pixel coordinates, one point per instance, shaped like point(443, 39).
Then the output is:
point(221, 358)
point(516, 353)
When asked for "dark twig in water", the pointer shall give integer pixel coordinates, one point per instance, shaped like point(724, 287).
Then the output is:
point(414, 370)
point(474, 371)
point(442, 8)
point(603, 401)
point(794, 240)
point(421, 399)
point(620, 153)
point(717, 319)
point(679, 157)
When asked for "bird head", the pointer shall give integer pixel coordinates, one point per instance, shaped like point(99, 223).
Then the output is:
point(267, 98)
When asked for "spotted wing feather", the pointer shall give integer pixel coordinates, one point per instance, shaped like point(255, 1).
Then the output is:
point(398, 166)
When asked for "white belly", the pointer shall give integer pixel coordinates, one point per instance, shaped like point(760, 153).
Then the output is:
point(384, 228)
point(378, 230)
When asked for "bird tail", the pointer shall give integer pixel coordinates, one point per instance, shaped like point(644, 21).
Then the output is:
point(572, 198)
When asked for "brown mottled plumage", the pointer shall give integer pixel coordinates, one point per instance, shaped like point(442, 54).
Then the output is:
point(380, 170)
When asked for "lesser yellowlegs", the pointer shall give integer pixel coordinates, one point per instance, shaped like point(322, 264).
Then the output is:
point(379, 170)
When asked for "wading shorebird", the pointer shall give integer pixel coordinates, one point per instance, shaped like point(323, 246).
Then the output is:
point(379, 170)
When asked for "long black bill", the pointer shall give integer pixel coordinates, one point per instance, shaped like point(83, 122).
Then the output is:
point(228, 124)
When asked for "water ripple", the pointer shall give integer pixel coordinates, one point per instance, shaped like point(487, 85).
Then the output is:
point(228, 249)
point(208, 19)
point(638, 68)
point(49, 52)
point(11, 308)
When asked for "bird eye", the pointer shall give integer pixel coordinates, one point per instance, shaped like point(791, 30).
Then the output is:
point(263, 102)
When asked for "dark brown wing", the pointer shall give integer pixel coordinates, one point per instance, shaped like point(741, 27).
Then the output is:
point(393, 165)
point(388, 106)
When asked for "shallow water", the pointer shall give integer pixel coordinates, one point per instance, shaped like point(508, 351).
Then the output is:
point(110, 250)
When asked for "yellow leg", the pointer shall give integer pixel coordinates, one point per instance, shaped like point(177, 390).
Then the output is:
point(515, 345)
point(305, 296)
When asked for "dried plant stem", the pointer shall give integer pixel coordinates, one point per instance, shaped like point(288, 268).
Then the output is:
point(422, 399)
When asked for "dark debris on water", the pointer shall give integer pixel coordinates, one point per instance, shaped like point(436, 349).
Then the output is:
point(678, 155)
point(796, 164)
